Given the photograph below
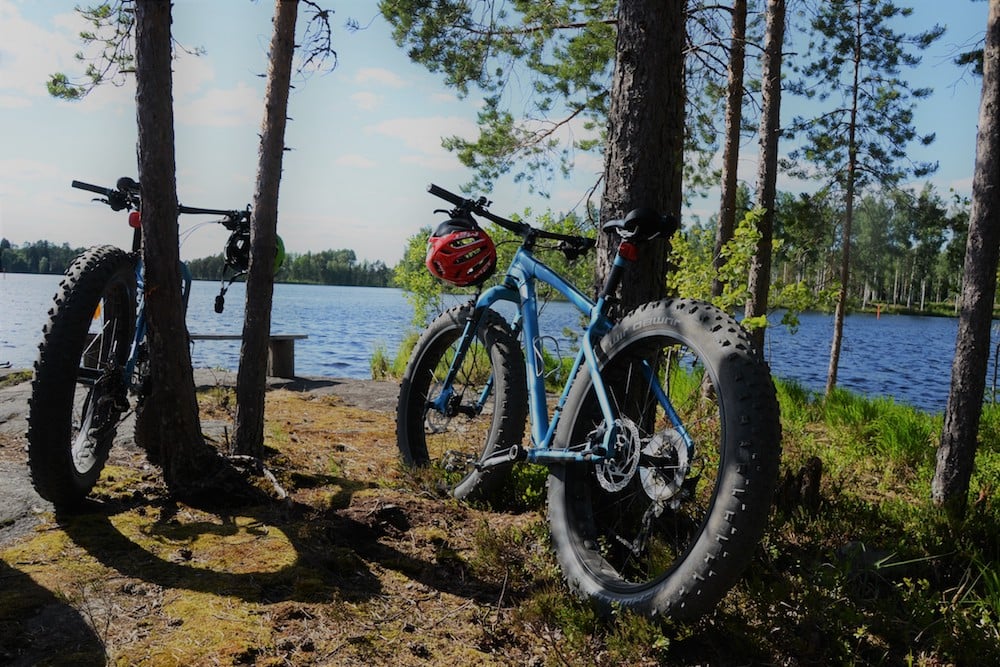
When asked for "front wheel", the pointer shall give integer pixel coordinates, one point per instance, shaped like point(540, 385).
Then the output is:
point(668, 523)
point(79, 390)
point(481, 414)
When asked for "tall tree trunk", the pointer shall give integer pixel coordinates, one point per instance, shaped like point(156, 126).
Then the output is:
point(167, 425)
point(759, 280)
point(252, 377)
point(731, 150)
point(845, 259)
point(957, 450)
point(643, 163)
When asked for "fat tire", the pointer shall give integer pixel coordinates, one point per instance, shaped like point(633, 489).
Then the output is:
point(102, 275)
point(508, 402)
point(712, 555)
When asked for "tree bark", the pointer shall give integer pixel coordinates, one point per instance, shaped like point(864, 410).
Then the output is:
point(167, 425)
point(731, 150)
point(957, 449)
point(759, 280)
point(643, 164)
point(252, 377)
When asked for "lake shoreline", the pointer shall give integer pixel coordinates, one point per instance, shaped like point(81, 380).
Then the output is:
point(907, 357)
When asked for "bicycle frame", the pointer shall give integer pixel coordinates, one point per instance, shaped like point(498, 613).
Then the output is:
point(518, 287)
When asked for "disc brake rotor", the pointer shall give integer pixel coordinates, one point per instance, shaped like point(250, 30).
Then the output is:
point(615, 473)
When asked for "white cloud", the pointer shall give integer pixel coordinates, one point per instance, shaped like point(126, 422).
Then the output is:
point(191, 73)
point(29, 53)
point(424, 134)
point(366, 101)
point(240, 106)
point(379, 75)
point(443, 162)
point(356, 161)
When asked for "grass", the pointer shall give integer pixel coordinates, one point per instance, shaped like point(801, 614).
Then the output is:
point(369, 564)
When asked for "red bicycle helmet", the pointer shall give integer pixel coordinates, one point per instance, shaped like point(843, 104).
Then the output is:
point(460, 253)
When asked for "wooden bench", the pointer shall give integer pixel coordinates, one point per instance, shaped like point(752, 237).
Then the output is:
point(281, 351)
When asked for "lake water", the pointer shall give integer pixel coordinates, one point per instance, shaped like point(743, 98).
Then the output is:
point(906, 357)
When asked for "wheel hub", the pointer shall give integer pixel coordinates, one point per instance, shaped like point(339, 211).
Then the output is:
point(665, 465)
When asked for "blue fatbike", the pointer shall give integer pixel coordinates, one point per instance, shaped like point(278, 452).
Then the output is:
point(662, 448)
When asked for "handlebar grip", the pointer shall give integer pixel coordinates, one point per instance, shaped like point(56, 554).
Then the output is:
point(80, 185)
point(451, 197)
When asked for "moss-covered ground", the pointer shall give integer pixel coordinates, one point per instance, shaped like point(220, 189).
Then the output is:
point(366, 564)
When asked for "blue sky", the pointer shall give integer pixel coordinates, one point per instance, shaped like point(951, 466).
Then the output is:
point(365, 137)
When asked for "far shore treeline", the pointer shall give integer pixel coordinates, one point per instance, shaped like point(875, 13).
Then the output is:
point(328, 267)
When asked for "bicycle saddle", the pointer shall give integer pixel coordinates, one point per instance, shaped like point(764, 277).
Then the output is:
point(642, 224)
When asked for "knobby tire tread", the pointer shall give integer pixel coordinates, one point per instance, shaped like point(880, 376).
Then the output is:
point(510, 395)
point(51, 404)
point(745, 484)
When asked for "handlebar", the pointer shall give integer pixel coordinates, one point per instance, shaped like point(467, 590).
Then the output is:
point(127, 194)
point(572, 246)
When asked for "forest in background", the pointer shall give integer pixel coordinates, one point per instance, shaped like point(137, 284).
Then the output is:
point(908, 252)
point(328, 267)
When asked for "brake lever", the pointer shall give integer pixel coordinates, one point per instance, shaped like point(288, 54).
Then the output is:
point(573, 250)
point(116, 200)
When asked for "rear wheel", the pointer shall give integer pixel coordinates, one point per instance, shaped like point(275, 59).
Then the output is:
point(669, 523)
point(79, 390)
point(485, 413)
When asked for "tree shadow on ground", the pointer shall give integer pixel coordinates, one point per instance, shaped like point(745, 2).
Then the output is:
point(38, 627)
point(328, 551)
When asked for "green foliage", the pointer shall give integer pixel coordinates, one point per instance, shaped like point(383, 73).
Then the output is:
point(877, 566)
point(881, 427)
point(908, 250)
point(507, 556)
point(857, 58)
point(524, 491)
point(380, 363)
point(109, 42)
point(327, 267)
point(37, 257)
point(558, 54)
point(422, 290)
point(692, 252)
point(544, 70)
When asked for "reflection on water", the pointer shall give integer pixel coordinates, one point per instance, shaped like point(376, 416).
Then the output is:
point(903, 356)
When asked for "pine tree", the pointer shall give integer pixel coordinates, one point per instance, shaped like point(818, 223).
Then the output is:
point(731, 148)
point(252, 376)
point(168, 425)
point(957, 450)
point(861, 140)
point(643, 160)
point(759, 281)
